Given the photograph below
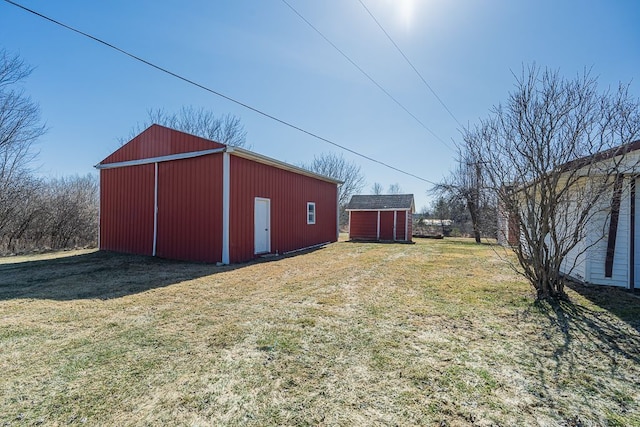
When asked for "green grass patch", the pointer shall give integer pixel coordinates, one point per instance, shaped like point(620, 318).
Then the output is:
point(441, 332)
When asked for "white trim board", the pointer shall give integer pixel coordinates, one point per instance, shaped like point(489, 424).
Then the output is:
point(155, 209)
point(226, 197)
point(150, 160)
point(250, 155)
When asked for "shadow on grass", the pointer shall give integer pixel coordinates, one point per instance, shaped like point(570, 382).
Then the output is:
point(103, 275)
point(623, 303)
point(589, 354)
point(610, 334)
point(467, 241)
point(382, 242)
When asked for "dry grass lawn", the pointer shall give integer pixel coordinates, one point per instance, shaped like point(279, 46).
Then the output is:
point(436, 333)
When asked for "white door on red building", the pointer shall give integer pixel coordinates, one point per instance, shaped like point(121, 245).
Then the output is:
point(262, 225)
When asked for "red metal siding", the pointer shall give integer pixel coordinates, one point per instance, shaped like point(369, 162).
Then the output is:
point(410, 227)
point(126, 209)
point(160, 141)
point(363, 225)
point(401, 217)
point(386, 225)
point(190, 209)
point(289, 193)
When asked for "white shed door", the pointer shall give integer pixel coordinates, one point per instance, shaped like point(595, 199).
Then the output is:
point(262, 225)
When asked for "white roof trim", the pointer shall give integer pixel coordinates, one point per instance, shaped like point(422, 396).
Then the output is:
point(149, 160)
point(240, 152)
point(250, 155)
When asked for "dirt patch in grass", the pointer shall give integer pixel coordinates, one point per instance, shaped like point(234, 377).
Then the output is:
point(436, 333)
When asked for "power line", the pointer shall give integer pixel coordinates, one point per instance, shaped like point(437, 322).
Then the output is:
point(410, 63)
point(228, 98)
point(367, 75)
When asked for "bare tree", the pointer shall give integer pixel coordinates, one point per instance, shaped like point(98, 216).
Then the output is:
point(394, 189)
point(53, 214)
point(36, 213)
point(555, 155)
point(72, 211)
point(335, 166)
point(20, 127)
point(226, 129)
point(27, 210)
point(377, 189)
point(450, 215)
point(466, 184)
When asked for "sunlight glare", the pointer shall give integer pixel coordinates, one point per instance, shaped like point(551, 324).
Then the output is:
point(404, 10)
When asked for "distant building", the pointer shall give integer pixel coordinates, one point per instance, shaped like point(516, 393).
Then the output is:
point(437, 222)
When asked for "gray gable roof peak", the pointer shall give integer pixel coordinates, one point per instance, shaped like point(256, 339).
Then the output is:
point(381, 202)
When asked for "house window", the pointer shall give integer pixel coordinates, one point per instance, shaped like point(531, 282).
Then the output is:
point(311, 212)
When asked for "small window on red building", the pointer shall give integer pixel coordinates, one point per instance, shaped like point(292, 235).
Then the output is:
point(311, 212)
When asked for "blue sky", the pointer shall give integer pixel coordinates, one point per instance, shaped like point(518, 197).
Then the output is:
point(262, 54)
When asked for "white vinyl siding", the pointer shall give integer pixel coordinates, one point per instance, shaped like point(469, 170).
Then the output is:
point(597, 254)
point(574, 263)
point(587, 261)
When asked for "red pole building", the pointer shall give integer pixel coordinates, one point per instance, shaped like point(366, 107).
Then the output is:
point(174, 195)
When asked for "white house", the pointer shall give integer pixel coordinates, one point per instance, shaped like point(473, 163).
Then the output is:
point(609, 252)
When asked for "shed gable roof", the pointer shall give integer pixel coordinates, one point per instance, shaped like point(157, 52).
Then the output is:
point(381, 202)
point(160, 144)
point(159, 141)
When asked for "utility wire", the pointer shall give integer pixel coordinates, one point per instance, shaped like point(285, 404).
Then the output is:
point(228, 98)
point(367, 75)
point(410, 63)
